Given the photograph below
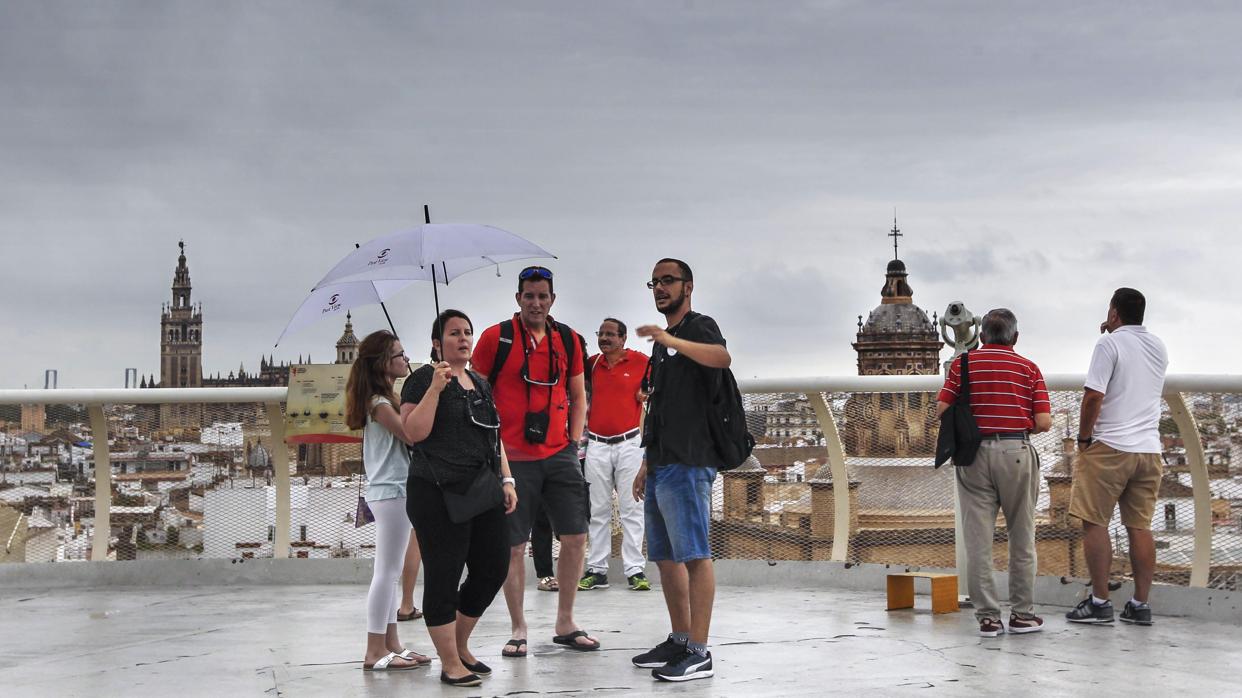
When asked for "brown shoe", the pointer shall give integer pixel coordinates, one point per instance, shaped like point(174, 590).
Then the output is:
point(1019, 625)
point(991, 627)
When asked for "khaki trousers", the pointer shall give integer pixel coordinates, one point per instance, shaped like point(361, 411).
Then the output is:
point(1005, 475)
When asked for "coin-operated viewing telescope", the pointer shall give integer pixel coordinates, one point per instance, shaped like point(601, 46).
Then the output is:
point(965, 326)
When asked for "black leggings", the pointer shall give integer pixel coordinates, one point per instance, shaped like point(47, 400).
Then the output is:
point(480, 545)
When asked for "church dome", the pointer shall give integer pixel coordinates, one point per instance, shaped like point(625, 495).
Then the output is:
point(896, 318)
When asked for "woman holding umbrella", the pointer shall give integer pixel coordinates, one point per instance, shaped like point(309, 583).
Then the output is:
point(370, 406)
point(448, 415)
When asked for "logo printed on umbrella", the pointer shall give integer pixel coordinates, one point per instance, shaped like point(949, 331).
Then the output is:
point(333, 305)
point(380, 259)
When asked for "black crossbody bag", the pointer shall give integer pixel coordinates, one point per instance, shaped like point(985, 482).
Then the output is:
point(959, 436)
point(485, 492)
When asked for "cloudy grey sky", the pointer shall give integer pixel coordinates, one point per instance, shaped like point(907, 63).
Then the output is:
point(1038, 156)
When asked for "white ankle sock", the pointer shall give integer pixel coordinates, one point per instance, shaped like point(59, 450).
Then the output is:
point(1098, 601)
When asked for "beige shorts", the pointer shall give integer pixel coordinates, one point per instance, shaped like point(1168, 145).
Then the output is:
point(1105, 478)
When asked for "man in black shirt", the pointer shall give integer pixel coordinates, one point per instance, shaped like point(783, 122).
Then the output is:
point(676, 480)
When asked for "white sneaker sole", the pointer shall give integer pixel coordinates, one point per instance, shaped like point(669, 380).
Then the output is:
point(1019, 631)
point(706, 674)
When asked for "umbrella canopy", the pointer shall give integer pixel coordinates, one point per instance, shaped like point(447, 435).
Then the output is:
point(334, 299)
point(452, 248)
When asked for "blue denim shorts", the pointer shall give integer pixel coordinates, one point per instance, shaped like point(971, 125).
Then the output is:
point(678, 512)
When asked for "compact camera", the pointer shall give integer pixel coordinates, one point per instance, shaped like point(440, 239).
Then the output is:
point(536, 427)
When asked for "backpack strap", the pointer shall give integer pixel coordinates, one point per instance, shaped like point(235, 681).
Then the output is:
point(503, 347)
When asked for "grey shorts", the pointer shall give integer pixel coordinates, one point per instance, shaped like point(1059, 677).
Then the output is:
point(556, 484)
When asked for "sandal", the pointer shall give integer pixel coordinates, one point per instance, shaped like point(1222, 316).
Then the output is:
point(517, 651)
point(412, 615)
point(385, 664)
point(548, 584)
point(412, 656)
point(571, 641)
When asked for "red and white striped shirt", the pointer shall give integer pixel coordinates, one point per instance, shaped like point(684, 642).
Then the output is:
point(1006, 390)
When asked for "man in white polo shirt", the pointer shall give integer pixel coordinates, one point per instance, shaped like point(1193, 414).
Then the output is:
point(1119, 455)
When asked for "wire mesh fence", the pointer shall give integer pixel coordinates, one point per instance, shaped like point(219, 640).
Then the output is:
point(199, 481)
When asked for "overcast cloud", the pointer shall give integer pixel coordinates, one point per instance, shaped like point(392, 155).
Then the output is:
point(1038, 156)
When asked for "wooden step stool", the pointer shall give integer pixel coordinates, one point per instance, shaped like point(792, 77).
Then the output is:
point(943, 591)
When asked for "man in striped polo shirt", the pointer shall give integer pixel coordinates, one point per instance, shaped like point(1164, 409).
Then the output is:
point(1010, 402)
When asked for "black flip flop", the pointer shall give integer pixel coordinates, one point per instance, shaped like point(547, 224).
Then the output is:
point(570, 641)
point(517, 645)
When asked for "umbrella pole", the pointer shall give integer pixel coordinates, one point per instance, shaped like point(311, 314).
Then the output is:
point(390, 325)
point(435, 292)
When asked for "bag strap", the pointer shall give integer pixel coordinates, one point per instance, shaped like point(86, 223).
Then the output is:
point(503, 347)
point(964, 379)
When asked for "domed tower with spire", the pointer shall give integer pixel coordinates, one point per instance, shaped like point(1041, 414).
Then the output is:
point(347, 345)
point(897, 338)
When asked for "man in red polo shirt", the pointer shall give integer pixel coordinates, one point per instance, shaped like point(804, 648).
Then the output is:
point(540, 395)
point(614, 455)
point(1010, 402)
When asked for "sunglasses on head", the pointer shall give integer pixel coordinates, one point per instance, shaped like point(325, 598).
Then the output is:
point(535, 272)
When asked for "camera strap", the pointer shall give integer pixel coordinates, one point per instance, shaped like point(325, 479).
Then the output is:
point(553, 364)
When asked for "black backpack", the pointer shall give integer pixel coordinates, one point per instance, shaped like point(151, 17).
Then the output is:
point(727, 423)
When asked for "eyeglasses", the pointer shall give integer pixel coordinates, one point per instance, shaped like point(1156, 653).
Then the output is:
point(667, 280)
point(532, 272)
point(608, 334)
point(399, 356)
point(470, 413)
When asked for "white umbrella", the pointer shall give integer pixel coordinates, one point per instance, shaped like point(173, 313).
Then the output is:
point(440, 250)
point(436, 252)
point(331, 300)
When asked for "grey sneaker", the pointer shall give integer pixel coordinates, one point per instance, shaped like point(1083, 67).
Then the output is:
point(1138, 615)
point(1088, 612)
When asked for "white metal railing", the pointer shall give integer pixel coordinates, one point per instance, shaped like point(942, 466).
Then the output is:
point(813, 388)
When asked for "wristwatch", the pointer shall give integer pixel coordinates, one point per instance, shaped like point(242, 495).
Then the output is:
point(1085, 440)
point(508, 481)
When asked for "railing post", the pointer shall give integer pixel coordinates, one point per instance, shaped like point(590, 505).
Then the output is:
point(280, 466)
point(1201, 563)
point(103, 482)
point(840, 477)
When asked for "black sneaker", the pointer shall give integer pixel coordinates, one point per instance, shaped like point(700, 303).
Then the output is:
point(660, 655)
point(689, 666)
point(1088, 612)
point(1138, 615)
point(593, 580)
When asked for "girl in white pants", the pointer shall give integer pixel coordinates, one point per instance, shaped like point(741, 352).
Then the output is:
point(370, 405)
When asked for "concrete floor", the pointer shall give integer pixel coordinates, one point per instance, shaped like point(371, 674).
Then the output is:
point(308, 641)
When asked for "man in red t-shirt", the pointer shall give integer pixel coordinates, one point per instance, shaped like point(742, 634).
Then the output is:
point(614, 455)
point(1009, 401)
point(540, 394)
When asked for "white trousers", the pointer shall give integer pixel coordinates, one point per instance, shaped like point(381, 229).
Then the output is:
point(609, 468)
point(392, 535)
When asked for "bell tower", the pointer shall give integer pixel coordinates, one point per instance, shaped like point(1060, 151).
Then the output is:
point(181, 347)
